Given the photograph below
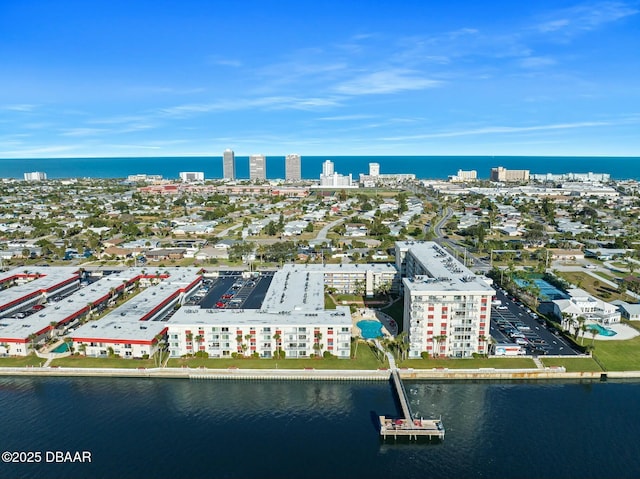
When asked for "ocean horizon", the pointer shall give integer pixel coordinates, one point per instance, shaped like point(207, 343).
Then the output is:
point(424, 167)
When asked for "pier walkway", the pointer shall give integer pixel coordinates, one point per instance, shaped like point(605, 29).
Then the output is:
point(407, 426)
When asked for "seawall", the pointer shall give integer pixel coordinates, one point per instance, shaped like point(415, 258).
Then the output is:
point(320, 374)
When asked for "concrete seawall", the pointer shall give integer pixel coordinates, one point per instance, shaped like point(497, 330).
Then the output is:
point(319, 374)
point(203, 373)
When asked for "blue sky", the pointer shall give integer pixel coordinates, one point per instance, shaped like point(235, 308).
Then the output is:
point(347, 77)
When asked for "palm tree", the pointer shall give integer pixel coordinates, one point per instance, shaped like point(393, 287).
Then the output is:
point(317, 345)
point(160, 350)
point(248, 339)
point(439, 339)
point(277, 338)
point(356, 341)
point(482, 338)
point(580, 320)
point(69, 342)
point(52, 327)
point(594, 333)
point(402, 344)
point(199, 339)
point(6, 347)
point(32, 338)
point(189, 337)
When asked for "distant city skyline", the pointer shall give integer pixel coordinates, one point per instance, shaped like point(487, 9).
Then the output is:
point(554, 78)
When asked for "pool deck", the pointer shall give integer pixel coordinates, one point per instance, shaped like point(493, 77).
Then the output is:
point(389, 326)
point(622, 330)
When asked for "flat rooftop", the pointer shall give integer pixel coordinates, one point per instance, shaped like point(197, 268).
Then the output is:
point(115, 329)
point(341, 316)
point(34, 280)
point(442, 272)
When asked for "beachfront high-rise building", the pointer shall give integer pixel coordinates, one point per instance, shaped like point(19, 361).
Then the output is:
point(447, 308)
point(292, 167)
point(257, 167)
point(329, 178)
point(229, 165)
point(35, 176)
point(470, 175)
point(327, 168)
point(374, 169)
point(191, 176)
point(503, 175)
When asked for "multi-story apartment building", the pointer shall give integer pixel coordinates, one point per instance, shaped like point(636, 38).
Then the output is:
point(447, 308)
point(293, 167)
point(329, 177)
point(257, 167)
point(352, 278)
point(35, 176)
point(189, 176)
point(229, 164)
point(503, 175)
point(291, 319)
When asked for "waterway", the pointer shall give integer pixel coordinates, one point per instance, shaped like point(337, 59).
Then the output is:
point(171, 428)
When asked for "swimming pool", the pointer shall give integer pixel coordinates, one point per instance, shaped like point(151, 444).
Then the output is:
point(370, 329)
point(61, 348)
point(601, 330)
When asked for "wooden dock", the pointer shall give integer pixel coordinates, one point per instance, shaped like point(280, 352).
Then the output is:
point(431, 428)
point(408, 426)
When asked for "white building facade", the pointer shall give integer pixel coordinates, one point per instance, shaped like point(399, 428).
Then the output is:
point(447, 309)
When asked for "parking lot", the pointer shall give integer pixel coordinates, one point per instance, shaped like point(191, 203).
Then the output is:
point(512, 322)
point(231, 291)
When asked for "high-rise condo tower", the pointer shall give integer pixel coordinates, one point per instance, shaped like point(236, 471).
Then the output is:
point(257, 167)
point(292, 167)
point(229, 165)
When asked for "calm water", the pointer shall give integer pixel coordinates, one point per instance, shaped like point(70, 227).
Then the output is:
point(422, 166)
point(236, 429)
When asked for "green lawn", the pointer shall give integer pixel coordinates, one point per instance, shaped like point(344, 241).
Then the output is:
point(618, 355)
point(572, 364)
point(86, 362)
point(328, 302)
point(365, 361)
point(498, 363)
point(19, 361)
point(349, 298)
point(608, 276)
point(593, 286)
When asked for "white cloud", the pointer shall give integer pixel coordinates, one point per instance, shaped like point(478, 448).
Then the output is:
point(386, 81)
point(269, 103)
point(20, 108)
point(346, 117)
point(492, 130)
point(45, 150)
point(582, 18)
point(83, 131)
